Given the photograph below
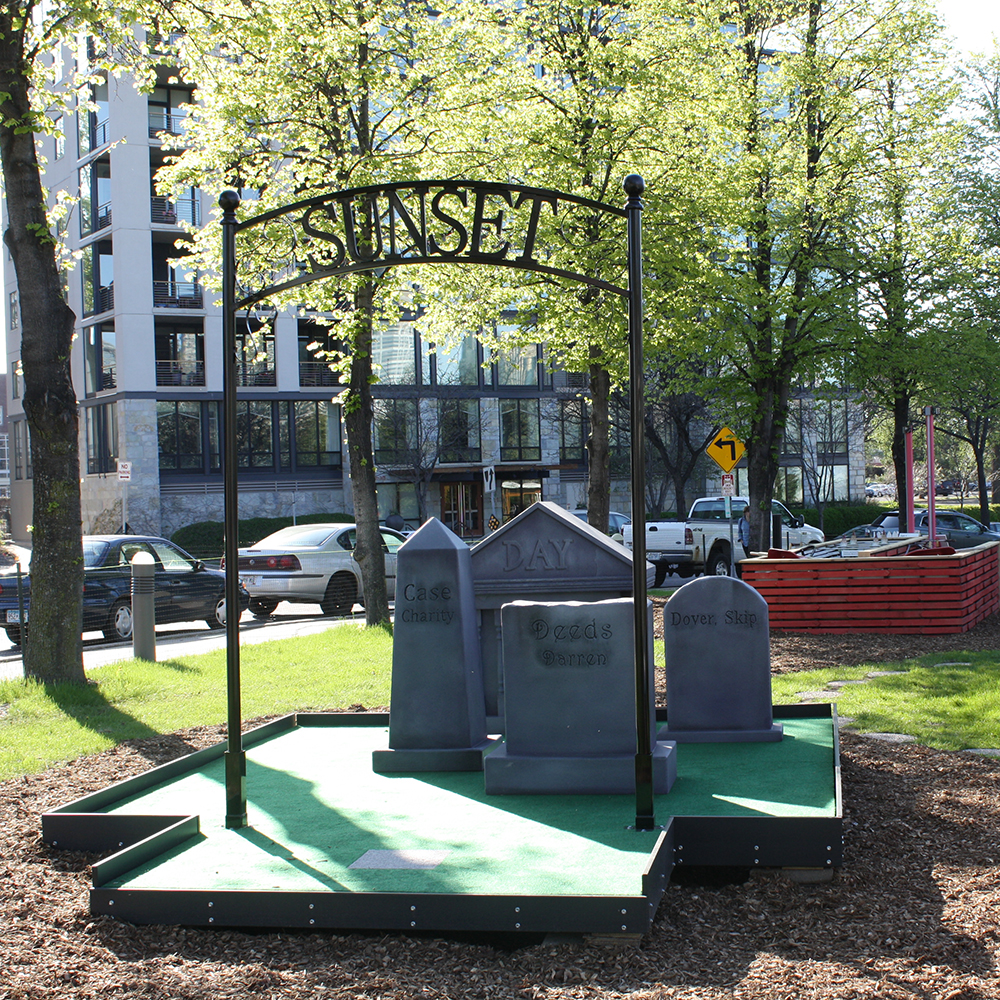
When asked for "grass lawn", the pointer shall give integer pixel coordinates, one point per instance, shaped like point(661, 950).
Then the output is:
point(46, 724)
point(947, 701)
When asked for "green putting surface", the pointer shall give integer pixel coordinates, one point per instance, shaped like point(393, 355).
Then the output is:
point(320, 819)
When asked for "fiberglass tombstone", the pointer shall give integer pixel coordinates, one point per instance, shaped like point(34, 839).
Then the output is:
point(718, 664)
point(437, 717)
point(569, 702)
point(543, 554)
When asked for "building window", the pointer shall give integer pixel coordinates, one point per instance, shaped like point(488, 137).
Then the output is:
point(102, 438)
point(394, 354)
point(459, 430)
point(95, 197)
point(17, 374)
point(179, 429)
point(519, 431)
point(93, 123)
point(518, 493)
point(619, 438)
point(317, 348)
point(98, 278)
point(14, 314)
point(395, 427)
point(517, 365)
point(180, 354)
point(60, 137)
point(317, 433)
point(167, 112)
point(574, 428)
point(173, 287)
point(255, 351)
point(255, 434)
point(99, 358)
point(22, 450)
point(791, 438)
point(455, 365)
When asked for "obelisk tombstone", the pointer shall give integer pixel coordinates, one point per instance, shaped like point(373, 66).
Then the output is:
point(437, 715)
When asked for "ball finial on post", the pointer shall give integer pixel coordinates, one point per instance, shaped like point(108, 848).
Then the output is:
point(229, 201)
point(634, 185)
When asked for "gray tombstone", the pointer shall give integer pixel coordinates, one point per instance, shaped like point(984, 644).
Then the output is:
point(543, 554)
point(718, 664)
point(569, 701)
point(437, 718)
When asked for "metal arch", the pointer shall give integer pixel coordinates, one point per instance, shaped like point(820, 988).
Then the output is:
point(428, 251)
point(415, 222)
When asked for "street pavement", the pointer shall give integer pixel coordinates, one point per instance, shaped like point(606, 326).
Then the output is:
point(191, 638)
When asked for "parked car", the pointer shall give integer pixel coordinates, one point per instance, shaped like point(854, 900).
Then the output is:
point(961, 530)
point(616, 520)
point(185, 589)
point(311, 564)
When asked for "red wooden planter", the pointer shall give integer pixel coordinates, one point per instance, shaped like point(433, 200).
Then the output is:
point(883, 592)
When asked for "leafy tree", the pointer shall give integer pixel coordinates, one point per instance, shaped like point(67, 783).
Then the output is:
point(298, 100)
point(585, 96)
point(32, 98)
point(798, 143)
point(907, 248)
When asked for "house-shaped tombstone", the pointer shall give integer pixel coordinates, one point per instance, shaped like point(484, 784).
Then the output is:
point(543, 554)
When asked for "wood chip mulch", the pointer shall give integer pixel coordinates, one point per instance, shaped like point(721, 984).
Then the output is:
point(914, 914)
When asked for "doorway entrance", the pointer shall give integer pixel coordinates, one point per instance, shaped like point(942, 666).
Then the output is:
point(462, 508)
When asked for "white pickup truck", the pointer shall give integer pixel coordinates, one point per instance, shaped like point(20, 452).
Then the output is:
point(703, 544)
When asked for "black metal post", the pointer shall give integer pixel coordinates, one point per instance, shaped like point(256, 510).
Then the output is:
point(236, 760)
point(644, 816)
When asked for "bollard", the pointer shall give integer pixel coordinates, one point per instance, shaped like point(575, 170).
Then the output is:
point(143, 607)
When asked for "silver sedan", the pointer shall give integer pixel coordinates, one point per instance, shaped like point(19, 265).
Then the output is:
point(311, 564)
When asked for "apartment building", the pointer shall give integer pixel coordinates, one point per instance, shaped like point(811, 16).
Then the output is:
point(147, 364)
point(462, 433)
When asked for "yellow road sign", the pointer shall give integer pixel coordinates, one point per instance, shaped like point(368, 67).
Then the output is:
point(726, 449)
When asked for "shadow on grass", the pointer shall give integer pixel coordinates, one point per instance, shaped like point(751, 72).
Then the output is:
point(87, 704)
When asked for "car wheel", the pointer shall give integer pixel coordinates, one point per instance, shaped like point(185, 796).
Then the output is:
point(718, 564)
point(119, 627)
point(262, 607)
point(14, 634)
point(218, 619)
point(685, 570)
point(661, 573)
point(341, 595)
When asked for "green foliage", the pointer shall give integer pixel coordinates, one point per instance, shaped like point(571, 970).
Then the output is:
point(206, 539)
point(49, 723)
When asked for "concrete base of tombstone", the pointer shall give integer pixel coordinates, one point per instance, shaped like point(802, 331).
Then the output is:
point(772, 735)
point(446, 759)
point(509, 774)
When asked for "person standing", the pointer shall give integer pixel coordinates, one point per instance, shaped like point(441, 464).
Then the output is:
point(744, 531)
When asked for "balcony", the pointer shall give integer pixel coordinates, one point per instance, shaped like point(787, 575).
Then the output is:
point(317, 373)
point(180, 372)
point(104, 299)
point(169, 213)
point(169, 122)
point(98, 134)
point(254, 373)
point(178, 295)
point(102, 217)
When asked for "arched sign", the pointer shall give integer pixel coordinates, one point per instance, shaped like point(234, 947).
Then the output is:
point(426, 222)
point(431, 222)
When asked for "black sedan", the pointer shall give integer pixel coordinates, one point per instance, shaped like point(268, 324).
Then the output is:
point(185, 589)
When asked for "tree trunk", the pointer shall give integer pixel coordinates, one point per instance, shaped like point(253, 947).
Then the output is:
point(904, 488)
point(762, 457)
point(358, 413)
point(598, 448)
point(53, 649)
